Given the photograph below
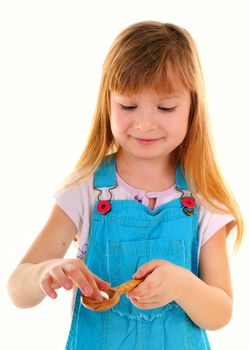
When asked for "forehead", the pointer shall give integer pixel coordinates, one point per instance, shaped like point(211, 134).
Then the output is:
point(150, 94)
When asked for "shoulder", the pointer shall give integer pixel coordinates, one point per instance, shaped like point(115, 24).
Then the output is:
point(75, 200)
point(211, 220)
point(77, 190)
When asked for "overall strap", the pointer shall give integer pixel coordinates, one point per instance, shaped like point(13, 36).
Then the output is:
point(182, 185)
point(105, 175)
point(180, 179)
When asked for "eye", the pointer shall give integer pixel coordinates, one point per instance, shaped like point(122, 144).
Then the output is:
point(167, 109)
point(127, 108)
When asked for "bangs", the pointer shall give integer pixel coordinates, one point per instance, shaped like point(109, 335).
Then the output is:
point(160, 71)
point(137, 79)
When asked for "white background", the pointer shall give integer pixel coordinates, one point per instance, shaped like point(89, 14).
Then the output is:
point(50, 66)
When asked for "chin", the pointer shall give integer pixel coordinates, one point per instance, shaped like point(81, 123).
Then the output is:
point(148, 154)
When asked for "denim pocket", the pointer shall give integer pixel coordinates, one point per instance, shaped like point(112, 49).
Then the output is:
point(123, 260)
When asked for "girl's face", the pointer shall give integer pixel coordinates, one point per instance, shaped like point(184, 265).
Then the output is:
point(148, 125)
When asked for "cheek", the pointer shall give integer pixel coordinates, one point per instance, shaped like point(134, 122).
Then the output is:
point(184, 128)
point(181, 132)
point(177, 129)
point(114, 124)
point(119, 124)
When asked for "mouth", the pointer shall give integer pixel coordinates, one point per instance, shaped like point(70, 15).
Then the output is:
point(146, 141)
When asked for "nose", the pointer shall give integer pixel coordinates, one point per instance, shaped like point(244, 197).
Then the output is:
point(146, 121)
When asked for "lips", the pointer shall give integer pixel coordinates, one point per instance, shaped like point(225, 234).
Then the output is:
point(146, 141)
point(140, 139)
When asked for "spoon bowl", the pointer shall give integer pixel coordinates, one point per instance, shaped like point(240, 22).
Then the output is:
point(113, 294)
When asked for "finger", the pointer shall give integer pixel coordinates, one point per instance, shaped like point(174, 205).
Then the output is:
point(147, 268)
point(148, 300)
point(83, 278)
point(96, 283)
point(96, 290)
point(145, 289)
point(143, 305)
point(45, 285)
point(102, 285)
point(61, 278)
point(78, 278)
point(153, 302)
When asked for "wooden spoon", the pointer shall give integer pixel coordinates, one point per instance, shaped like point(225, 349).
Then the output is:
point(113, 294)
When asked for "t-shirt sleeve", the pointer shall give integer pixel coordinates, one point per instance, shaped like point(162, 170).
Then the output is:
point(210, 222)
point(70, 201)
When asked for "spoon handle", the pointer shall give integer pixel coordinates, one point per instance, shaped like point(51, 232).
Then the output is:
point(128, 286)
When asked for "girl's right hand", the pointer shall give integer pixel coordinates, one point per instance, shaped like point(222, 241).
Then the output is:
point(72, 272)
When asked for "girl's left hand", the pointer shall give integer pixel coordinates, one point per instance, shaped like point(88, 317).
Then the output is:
point(164, 283)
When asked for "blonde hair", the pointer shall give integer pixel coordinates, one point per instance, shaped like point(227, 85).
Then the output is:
point(142, 56)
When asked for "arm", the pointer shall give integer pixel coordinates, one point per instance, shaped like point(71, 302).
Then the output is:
point(208, 300)
point(48, 248)
point(43, 269)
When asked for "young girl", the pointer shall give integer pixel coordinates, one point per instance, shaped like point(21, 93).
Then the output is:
point(146, 200)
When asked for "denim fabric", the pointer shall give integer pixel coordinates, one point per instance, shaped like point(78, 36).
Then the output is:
point(128, 236)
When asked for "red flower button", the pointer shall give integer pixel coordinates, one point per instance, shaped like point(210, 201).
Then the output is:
point(104, 207)
point(188, 202)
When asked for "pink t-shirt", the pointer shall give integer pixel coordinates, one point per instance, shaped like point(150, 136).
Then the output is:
point(78, 201)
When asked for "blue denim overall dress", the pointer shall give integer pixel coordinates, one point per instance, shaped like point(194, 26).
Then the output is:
point(122, 240)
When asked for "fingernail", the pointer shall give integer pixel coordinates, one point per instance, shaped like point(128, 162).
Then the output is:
point(87, 290)
point(67, 285)
point(53, 295)
point(97, 297)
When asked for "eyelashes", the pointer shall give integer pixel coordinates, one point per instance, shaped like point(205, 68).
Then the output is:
point(127, 108)
point(130, 108)
point(167, 109)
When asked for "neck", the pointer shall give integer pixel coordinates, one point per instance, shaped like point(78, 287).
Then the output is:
point(147, 174)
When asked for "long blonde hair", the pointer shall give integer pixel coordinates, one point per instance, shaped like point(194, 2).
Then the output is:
point(143, 55)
